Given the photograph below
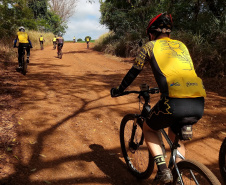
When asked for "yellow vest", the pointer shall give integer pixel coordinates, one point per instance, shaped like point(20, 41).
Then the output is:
point(41, 38)
point(54, 39)
point(22, 37)
point(87, 39)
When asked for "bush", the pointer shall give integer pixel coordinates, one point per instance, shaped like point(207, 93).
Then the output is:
point(79, 39)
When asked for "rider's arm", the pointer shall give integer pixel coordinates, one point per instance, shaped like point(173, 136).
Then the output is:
point(15, 41)
point(29, 42)
point(136, 69)
point(129, 78)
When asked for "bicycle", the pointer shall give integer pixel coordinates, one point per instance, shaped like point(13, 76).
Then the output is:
point(24, 62)
point(87, 45)
point(41, 45)
point(54, 45)
point(60, 52)
point(139, 159)
point(222, 160)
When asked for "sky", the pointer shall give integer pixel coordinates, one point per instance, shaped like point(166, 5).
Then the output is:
point(85, 22)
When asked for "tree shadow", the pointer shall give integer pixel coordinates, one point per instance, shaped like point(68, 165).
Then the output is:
point(49, 84)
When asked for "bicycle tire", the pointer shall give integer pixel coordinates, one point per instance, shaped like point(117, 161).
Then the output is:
point(24, 66)
point(202, 174)
point(139, 160)
point(222, 160)
point(60, 55)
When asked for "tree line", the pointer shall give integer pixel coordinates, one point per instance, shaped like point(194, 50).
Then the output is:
point(40, 15)
point(201, 24)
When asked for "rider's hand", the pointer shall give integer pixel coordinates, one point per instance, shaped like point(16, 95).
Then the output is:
point(115, 92)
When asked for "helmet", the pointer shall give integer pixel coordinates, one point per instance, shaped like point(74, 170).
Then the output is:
point(21, 28)
point(162, 23)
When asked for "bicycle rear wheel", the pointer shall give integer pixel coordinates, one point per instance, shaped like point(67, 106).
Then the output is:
point(222, 160)
point(60, 54)
point(135, 152)
point(194, 172)
point(24, 66)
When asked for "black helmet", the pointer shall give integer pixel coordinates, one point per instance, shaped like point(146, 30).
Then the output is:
point(162, 23)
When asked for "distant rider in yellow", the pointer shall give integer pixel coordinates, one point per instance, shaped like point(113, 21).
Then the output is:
point(74, 39)
point(41, 40)
point(54, 42)
point(24, 41)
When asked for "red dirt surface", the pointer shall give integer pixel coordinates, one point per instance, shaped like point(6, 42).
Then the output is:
point(65, 126)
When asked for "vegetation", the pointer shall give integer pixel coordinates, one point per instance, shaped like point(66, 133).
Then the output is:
point(200, 24)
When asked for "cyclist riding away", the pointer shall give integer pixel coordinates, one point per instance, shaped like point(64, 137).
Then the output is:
point(41, 40)
point(87, 39)
point(182, 91)
point(54, 42)
point(24, 41)
point(74, 39)
point(60, 42)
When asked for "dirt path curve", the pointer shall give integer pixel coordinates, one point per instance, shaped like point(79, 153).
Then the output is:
point(69, 125)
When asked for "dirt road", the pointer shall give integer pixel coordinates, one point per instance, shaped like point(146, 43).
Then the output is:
point(68, 125)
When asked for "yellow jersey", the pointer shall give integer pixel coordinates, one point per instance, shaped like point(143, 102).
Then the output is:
point(41, 39)
point(54, 39)
point(172, 67)
point(22, 37)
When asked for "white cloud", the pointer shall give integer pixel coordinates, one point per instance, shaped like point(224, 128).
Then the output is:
point(85, 22)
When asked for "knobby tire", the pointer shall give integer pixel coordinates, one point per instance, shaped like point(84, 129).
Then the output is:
point(202, 174)
point(222, 160)
point(139, 160)
point(24, 65)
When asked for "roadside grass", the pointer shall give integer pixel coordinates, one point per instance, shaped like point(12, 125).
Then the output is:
point(35, 35)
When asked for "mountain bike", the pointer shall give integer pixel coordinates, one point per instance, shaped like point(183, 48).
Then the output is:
point(222, 160)
point(139, 159)
point(87, 45)
point(54, 45)
point(60, 52)
point(41, 45)
point(24, 62)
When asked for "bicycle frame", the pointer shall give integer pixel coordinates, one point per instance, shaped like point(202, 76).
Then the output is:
point(173, 145)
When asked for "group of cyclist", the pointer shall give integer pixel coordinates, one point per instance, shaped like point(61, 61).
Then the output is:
point(182, 91)
point(24, 42)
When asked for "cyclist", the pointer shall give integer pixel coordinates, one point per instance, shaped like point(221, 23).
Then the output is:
point(87, 39)
point(74, 39)
point(182, 92)
point(24, 41)
point(54, 42)
point(60, 42)
point(41, 40)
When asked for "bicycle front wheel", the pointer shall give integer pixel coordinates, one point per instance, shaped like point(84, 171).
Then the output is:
point(222, 160)
point(135, 152)
point(193, 172)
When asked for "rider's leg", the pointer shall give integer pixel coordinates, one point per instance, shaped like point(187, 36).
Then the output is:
point(154, 145)
point(20, 50)
point(28, 53)
point(181, 149)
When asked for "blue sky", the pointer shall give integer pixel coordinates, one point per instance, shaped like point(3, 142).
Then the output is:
point(85, 22)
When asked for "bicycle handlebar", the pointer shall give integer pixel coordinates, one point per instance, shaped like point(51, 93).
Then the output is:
point(154, 90)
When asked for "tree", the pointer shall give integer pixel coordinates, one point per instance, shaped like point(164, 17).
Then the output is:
point(63, 8)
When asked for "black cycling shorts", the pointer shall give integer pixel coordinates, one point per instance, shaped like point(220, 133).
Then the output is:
point(175, 112)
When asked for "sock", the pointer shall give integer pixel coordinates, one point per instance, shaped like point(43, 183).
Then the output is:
point(160, 162)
